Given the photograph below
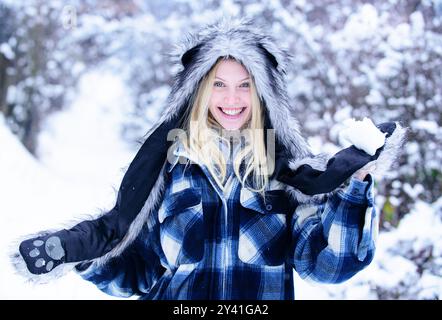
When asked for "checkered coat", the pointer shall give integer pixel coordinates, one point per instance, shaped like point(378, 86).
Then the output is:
point(205, 242)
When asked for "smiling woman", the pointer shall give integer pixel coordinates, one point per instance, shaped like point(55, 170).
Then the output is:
point(203, 228)
point(227, 100)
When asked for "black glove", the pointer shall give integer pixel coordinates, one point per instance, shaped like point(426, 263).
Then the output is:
point(42, 254)
point(339, 168)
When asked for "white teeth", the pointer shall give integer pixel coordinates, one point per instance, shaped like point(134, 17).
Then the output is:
point(232, 112)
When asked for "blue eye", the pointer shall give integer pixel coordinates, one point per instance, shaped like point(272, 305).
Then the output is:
point(245, 85)
point(218, 84)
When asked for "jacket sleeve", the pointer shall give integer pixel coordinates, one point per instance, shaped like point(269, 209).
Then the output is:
point(134, 272)
point(334, 240)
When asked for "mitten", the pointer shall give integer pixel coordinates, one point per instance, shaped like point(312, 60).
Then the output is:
point(339, 168)
point(42, 254)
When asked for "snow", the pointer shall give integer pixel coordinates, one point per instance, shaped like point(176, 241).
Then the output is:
point(388, 67)
point(400, 38)
point(392, 269)
point(81, 161)
point(418, 23)
point(430, 126)
point(7, 51)
point(414, 191)
point(73, 152)
point(364, 135)
point(365, 21)
point(374, 97)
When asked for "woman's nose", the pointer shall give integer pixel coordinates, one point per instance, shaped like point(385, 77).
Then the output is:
point(231, 99)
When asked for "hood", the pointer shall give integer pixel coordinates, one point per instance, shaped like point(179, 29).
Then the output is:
point(265, 60)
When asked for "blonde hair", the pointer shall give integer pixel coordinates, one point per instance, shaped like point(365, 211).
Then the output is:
point(204, 138)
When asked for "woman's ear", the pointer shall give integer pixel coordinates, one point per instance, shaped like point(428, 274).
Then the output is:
point(268, 55)
point(279, 57)
point(189, 55)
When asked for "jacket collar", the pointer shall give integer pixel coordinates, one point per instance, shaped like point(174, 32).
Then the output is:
point(275, 196)
point(179, 153)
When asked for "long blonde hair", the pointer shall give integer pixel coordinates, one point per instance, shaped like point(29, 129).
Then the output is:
point(204, 138)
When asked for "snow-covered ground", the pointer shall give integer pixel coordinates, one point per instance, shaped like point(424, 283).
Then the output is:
point(81, 164)
point(81, 161)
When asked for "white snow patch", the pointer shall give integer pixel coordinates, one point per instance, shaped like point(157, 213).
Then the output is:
point(82, 156)
point(7, 51)
point(363, 135)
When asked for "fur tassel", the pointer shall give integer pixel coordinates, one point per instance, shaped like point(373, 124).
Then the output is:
point(19, 264)
point(59, 271)
point(302, 198)
point(151, 203)
point(391, 153)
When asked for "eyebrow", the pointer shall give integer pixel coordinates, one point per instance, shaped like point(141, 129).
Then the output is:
point(239, 80)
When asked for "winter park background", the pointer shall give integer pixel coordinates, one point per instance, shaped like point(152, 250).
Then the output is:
point(81, 81)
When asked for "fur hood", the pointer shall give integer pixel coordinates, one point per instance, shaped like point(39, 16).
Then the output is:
point(263, 58)
point(142, 187)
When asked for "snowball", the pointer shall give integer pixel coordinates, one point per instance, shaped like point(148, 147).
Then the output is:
point(363, 135)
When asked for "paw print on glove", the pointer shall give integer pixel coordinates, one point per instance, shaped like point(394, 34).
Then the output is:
point(42, 254)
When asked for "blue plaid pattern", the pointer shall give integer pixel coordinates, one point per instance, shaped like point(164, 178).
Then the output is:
point(208, 243)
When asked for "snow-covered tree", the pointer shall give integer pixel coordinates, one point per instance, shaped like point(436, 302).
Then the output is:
point(41, 65)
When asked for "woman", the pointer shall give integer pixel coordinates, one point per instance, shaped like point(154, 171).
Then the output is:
point(224, 198)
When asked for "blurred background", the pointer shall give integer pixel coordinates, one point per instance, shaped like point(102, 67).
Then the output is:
point(82, 81)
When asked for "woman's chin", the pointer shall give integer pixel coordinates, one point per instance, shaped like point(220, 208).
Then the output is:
point(229, 126)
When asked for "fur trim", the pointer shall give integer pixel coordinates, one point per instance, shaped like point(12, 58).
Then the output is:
point(303, 198)
point(248, 43)
point(20, 266)
point(318, 162)
point(59, 271)
point(151, 203)
point(391, 152)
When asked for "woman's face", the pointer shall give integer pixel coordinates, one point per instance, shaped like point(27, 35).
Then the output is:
point(230, 102)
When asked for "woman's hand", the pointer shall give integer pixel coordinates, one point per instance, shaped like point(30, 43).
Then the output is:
point(362, 173)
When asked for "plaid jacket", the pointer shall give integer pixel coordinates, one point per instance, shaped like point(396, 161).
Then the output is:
point(204, 243)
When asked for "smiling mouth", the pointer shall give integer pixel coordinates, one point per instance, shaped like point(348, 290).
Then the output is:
point(231, 112)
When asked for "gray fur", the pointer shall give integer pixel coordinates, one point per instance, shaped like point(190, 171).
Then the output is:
point(316, 162)
point(239, 38)
point(390, 153)
point(19, 264)
point(151, 203)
